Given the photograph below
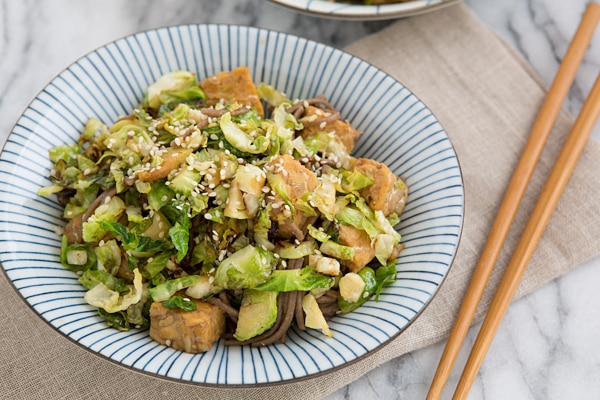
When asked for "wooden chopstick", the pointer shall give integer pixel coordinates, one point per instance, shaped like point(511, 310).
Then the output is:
point(514, 194)
point(555, 185)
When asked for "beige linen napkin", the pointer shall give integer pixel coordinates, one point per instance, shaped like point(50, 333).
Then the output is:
point(487, 99)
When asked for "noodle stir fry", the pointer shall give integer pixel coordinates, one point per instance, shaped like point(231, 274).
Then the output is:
point(223, 210)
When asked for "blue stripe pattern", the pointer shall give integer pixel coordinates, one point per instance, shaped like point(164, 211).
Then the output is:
point(398, 130)
point(339, 9)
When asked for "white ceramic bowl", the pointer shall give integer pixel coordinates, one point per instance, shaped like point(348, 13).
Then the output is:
point(398, 130)
point(340, 10)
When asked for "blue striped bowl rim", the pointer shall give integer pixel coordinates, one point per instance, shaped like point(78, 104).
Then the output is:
point(340, 10)
point(398, 129)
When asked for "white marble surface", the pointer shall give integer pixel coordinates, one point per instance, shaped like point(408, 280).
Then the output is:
point(547, 346)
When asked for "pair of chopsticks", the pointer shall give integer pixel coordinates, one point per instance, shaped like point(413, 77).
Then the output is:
point(538, 220)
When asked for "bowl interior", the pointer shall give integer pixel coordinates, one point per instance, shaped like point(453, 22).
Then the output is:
point(398, 130)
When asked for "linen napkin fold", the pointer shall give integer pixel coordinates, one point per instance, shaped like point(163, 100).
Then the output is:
point(487, 99)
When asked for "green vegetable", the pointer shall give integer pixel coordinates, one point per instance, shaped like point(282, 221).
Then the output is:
point(180, 236)
point(350, 215)
point(154, 265)
point(48, 190)
point(384, 247)
point(108, 212)
point(180, 231)
point(240, 139)
point(117, 320)
point(137, 245)
point(92, 126)
point(324, 196)
point(167, 85)
point(109, 256)
point(67, 153)
point(245, 269)
point(77, 257)
point(318, 234)
point(111, 300)
point(385, 274)
point(262, 228)
point(172, 99)
point(277, 184)
point(167, 289)
point(271, 95)
point(185, 181)
point(374, 283)
point(337, 250)
point(157, 226)
point(293, 251)
point(250, 178)
point(304, 279)
point(159, 195)
point(368, 276)
point(354, 181)
point(180, 302)
point(258, 313)
point(91, 278)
